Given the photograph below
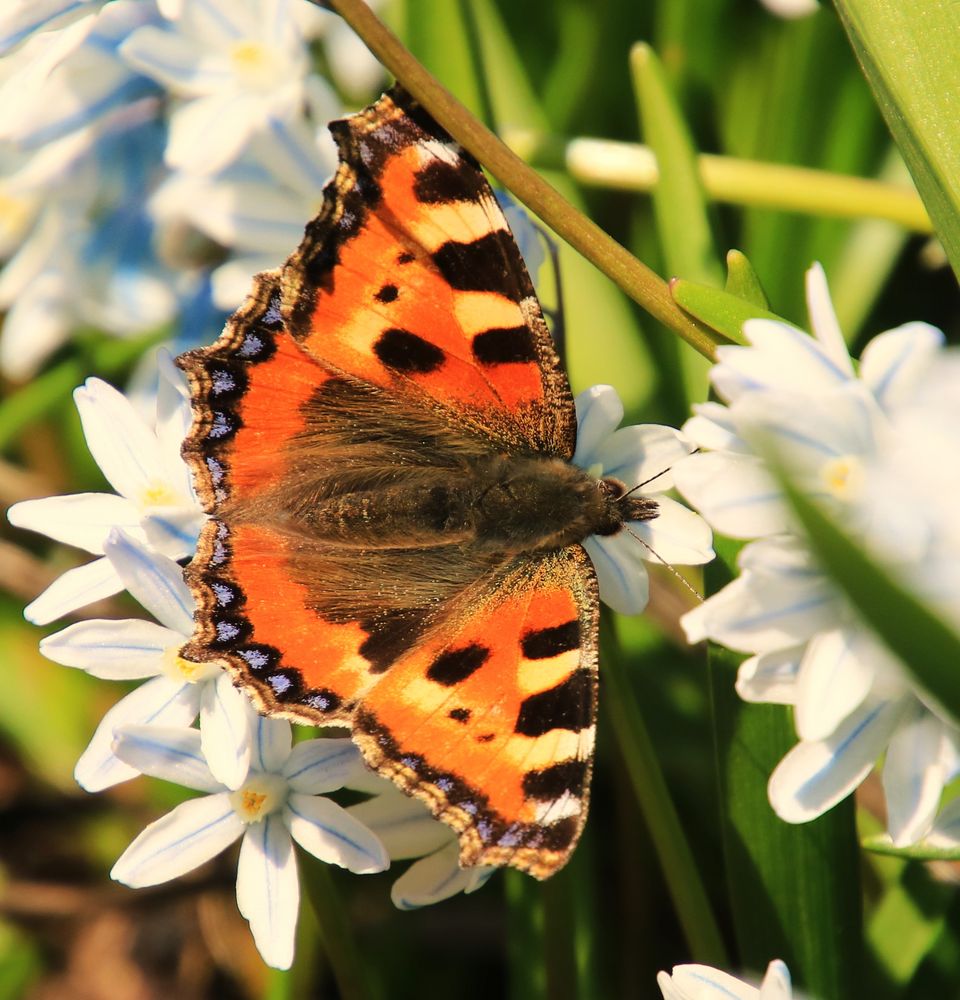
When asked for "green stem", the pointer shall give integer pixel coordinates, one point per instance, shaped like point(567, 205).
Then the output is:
point(650, 788)
point(633, 277)
point(630, 166)
point(339, 943)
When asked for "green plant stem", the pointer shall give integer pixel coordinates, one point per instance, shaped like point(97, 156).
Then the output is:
point(633, 277)
point(650, 788)
point(338, 941)
point(631, 166)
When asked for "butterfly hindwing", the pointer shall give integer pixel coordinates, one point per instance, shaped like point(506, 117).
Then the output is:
point(491, 721)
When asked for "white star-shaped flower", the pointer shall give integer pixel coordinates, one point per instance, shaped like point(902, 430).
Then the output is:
point(235, 64)
point(154, 500)
point(834, 429)
point(132, 649)
point(281, 801)
point(637, 456)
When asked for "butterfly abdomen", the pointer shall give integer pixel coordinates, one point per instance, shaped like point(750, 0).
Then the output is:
point(498, 504)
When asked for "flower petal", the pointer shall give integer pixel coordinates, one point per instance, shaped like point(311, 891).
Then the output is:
point(153, 579)
point(171, 753)
point(711, 427)
point(913, 776)
point(227, 718)
point(836, 675)
point(735, 493)
point(318, 766)
point(823, 320)
point(113, 650)
point(174, 417)
point(174, 61)
point(816, 775)
point(268, 889)
point(331, 834)
point(80, 519)
point(776, 984)
point(158, 702)
point(173, 529)
point(770, 677)
point(599, 412)
point(272, 740)
point(781, 358)
point(643, 454)
point(403, 824)
point(676, 535)
point(624, 585)
point(757, 613)
point(893, 362)
point(700, 982)
point(74, 589)
point(184, 839)
point(436, 877)
point(120, 442)
point(806, 432)
point(207, 134)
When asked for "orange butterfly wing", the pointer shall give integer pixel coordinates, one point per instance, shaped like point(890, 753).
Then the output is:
point(408, 297)
point(410, 279)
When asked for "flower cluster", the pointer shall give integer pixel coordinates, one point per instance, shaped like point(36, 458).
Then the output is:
point(155, 155)
point(877, 447)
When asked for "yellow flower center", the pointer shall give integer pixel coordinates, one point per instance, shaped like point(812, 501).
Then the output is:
point(843, 477)
point(159, 494)
point(254, 64)
point(15, 214)
point(259, 796)
point(179, 669)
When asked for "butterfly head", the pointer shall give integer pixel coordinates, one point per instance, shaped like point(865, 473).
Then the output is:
point(622, 506)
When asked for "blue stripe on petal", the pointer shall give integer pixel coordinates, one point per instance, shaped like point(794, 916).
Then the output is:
point(333, 832)
point(840, 749)
point(348, 751)
point(128, 92)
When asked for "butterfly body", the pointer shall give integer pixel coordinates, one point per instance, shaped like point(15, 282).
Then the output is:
point(383, 439)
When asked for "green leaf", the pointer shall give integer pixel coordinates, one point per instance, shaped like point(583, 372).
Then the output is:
point(794, 890)
point(927, 645)
point(743, 281)
point(910, 55)
point(721, 311)
point(679, 202)
point(659, 813)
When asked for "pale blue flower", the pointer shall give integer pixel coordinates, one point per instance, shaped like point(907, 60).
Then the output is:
point(846, 437)
point(132, 649)
point(281, 801)
point(259, 205)
point(70, 77)
point(154, 500)
point(234, 65)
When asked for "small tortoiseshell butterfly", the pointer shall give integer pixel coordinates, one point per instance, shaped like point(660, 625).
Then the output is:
point(382, 436)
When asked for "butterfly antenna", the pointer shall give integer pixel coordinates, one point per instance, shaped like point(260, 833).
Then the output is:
point(656, 555)
point(662, 472)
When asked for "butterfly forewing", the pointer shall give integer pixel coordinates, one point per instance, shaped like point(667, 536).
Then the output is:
point(410, 279)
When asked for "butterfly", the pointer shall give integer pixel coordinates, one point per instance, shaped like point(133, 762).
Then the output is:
point(382, 437)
